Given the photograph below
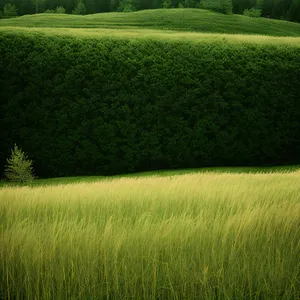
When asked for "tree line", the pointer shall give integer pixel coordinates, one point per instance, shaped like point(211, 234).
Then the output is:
point(278, 9)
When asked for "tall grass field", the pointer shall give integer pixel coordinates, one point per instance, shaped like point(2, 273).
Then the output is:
point(193, 236)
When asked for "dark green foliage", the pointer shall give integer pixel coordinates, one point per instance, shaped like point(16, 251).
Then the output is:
point(222, 6)
point(9, 11)
point(279, 9)
point(252, 12)
point(226, 7)
point(103, 106)
point(167, 4)
point(60, 10)
point(79, 9)
point(126, 6)
point(294, 11)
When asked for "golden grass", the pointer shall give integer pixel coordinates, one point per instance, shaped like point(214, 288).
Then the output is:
point(156, 34)
point(195, 236)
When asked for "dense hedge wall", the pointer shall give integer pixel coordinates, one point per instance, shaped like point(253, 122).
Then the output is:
point(103, 106)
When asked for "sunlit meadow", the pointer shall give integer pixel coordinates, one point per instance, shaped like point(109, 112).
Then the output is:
point(194, 236)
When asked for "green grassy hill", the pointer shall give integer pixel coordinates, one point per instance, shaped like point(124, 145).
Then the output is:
point(172, 19)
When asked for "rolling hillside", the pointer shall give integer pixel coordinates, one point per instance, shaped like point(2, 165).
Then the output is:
point(195, 20)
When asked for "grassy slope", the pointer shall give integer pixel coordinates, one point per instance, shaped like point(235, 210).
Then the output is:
point(161, 173)
point(169, 35)
point(172, 19)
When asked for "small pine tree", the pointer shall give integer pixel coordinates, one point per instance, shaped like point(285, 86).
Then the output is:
point(19, 167)
point(79, 9)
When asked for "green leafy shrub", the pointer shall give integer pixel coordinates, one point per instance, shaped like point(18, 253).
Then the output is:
point(19, 167)
point(60, 10)
point(252, 12)
point(88, 106)
point(49, 11)
point(10, 10)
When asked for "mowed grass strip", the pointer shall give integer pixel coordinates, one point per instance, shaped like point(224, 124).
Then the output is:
point(198, 20)
point(155, 34)
point(195, 236)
